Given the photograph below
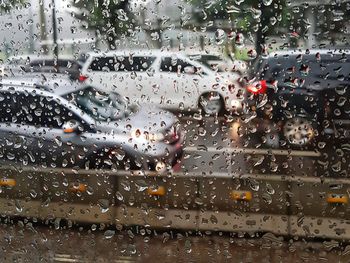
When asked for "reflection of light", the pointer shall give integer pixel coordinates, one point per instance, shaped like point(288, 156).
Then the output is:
point(234, 130)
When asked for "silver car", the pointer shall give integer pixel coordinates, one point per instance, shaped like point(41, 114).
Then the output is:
point(55, 122)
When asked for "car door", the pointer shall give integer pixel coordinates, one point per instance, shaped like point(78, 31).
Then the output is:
point(130, 76)
point(20, 127)
point(179, 83)
point(98, 72)
point(35, 135)
point(13, 145)
point(134, 78)
point(57, 145)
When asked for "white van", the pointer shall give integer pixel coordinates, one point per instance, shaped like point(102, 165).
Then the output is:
point(167, 79)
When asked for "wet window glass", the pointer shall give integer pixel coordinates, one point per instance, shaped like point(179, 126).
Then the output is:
point(175, 131)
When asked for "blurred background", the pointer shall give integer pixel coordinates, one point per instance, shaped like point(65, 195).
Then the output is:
point(216, 25)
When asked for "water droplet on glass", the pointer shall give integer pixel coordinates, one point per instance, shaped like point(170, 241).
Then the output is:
point(109, 234)
point(73, 29)
point(119, 196)
point(252, 53)
point(11, 156)
point(125, 185)
point(336, 167)
point(122, 15)
point(188, 246)
point(232, 9)
point(219, 36)
point(254, 185)
point(33, 193)
point(104, 205)
point(259, 161)
point(239, 39)
point(269, 189)
point(29, 22)
point(266, 198)
point(141, 185)
point(321, 145)
point(18, 206)
point(273, 20)
point(267, 2)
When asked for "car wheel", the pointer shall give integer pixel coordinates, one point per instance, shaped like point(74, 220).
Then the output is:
point(299, 131)
point(211, 103)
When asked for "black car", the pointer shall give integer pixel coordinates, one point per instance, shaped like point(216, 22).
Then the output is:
point(305, 92)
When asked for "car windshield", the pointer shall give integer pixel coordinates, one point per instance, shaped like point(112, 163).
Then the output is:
point(100, 105)
point(213, 62)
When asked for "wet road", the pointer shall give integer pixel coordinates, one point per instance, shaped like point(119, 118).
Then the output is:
point(25, 243)
point(216, 147)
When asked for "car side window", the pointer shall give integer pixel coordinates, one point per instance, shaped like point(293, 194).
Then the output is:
point(123, 63)
point(33, 109)
point(175, 65)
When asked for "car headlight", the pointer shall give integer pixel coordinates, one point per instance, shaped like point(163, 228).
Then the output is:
point(153, 137)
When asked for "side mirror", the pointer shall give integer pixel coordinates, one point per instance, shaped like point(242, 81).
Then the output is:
point(71, 126)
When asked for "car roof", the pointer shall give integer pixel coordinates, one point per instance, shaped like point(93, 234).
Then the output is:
point(35, 57)
point(51, 83)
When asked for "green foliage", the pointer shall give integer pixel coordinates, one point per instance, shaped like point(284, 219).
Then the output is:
point(245, 16)
point(7, 5)
point(110, 19)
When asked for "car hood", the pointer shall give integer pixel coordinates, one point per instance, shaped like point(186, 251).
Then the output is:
point(146, 118)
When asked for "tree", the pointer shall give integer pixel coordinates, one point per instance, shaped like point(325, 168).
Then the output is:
point(110, 19)
point(7, 5)
point(326, 22)
point(259, 17)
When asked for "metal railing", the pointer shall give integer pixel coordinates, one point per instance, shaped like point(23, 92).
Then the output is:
point(282, 204)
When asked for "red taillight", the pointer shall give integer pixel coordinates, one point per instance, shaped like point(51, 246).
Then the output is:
point(258, 87)
point(82, 78)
